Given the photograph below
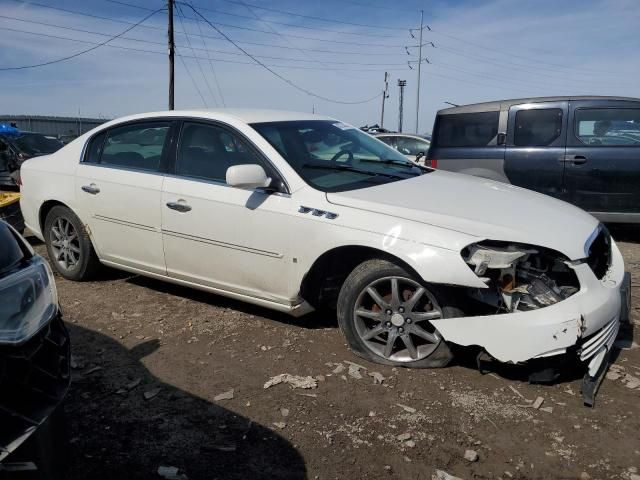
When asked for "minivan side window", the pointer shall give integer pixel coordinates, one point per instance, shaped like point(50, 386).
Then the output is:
point(207, 151)
point(537, 127)
point(138, 146)
point(466, 129)
point(608, 126)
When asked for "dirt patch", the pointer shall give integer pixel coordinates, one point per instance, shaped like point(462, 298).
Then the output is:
point(151, 359)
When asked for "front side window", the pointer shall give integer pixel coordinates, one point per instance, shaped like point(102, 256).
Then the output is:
point(138, 146)
point(207, 151)
point(537, 127)
point(466, 129)
point(333, 157)
point(412, 146)
point(608, 126)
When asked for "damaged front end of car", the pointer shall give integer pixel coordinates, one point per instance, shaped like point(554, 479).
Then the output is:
point(34, 346)
point(540, 304)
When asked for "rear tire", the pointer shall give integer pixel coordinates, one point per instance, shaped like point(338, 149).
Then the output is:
point(383, 321)
point(68, 244)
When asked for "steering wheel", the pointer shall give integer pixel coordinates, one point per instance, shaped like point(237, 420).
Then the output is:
point(341, 153)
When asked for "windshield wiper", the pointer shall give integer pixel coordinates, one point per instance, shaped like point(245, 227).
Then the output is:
point(347, 168)
point(391, 161)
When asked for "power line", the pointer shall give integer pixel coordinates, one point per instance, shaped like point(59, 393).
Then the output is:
point(206, 81)
point(153, 27)
point(311, 17)
point(69, 57)
point(273, 72)
point(163, 53)
point(237, 15)
point(204, 102)
point(213, 71)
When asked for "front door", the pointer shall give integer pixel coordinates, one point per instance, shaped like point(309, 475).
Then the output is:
point(534, 157)
point(220, 236)
point(603, 158)
point(118, 187)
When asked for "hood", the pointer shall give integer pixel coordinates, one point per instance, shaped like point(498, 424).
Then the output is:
point(479, 207)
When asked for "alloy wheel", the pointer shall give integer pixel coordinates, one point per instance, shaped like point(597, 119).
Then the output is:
point(392, 317)
point(65, 243)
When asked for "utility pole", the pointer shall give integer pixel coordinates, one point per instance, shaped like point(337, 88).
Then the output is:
point(401, 84)
point(385, 95)
point(172, 52)
point(419, 65)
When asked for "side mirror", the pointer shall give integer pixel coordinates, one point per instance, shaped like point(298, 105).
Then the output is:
point(419, 156)
point(247, 176)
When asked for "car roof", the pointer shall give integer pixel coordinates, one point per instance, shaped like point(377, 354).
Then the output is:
point(497, 105)
point(246, 115)
point(396, 134)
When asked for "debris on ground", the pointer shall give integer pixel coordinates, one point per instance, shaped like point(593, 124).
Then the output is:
point(377, 378)
point(403, 437)
point(537, 403)
point(228, 395)
point(171, 473)
point(284, 412)
point(471, 456)
point(280, 425)
point(295, 381)
point(442, 475)
point(406, 409)
point(354, 371)
point(149, 394)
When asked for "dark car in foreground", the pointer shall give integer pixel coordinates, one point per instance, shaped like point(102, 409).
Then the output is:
point(583, 150)
point(34, 362)
point(17, 146)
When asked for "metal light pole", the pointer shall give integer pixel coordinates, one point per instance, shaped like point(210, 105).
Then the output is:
point(385, 95)
point(172, 51)
point(419, 65)
point(401, 84)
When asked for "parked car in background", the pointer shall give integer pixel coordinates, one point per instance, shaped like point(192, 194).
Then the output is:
point(16, 146)
point(584, 150)
point(261, 206)
point(34, 361)
point(414, 147)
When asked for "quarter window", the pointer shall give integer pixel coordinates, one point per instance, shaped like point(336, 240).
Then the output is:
point(608, 126)
point(537, 127)
point(95, 148)
point(466, 129)
point(207, 151)
point(136, 146)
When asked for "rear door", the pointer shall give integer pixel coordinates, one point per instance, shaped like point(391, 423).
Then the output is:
point(536, 139)
point(468, 143)
point(603, 158)
point(119, 188)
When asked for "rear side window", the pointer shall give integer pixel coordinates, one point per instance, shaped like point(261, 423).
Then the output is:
point(137, 146)
point(411, 146)
point(537, 127)
point(608, 126)
point(95, 148)
point(466, 129)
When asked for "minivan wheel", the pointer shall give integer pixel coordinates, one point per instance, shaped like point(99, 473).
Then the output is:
point(68, 245)
point(385, 313)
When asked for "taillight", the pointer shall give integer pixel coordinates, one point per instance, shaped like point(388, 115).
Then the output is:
point(433, 163)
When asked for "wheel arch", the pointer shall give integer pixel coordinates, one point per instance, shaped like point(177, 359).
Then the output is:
point(321, 284)
point(45, 208)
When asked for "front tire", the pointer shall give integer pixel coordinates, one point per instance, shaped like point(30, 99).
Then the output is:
point(385, 312)
point(69, 246)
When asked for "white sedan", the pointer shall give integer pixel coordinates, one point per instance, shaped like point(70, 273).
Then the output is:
point(296, 212)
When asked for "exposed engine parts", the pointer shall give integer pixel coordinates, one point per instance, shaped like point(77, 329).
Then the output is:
point(520, 277)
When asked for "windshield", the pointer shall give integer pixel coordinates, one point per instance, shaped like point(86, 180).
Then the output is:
point(335, 157)
point(34, 144)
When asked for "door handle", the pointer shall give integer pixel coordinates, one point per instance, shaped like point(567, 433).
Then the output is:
point(179, 206)
point(92, 189)
point(575, 159)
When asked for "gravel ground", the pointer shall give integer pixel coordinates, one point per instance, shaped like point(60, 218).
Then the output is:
point(165, 376)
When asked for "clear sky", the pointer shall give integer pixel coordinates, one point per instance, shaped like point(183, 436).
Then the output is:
point(336, 49)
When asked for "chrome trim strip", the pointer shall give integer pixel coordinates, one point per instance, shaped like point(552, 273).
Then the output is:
point(222, 244)
point(125, 223)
